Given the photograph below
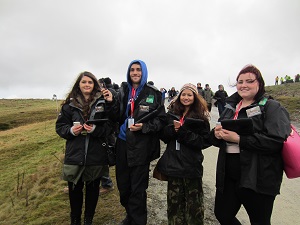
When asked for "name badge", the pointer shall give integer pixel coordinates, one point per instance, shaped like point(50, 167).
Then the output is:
point(99, 108)
point(144, 108)
point(253, 111)
point(130, 122)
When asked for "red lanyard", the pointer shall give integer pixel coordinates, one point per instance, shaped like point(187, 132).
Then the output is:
point(181, 120)
point(237, 110)
point(132, 101)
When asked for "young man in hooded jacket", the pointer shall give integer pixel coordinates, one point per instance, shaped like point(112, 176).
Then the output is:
point(141, 117)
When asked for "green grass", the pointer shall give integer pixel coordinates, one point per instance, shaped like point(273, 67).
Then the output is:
point(289, 96)
point(31, 188)
point(18, 112)
point(30, 162)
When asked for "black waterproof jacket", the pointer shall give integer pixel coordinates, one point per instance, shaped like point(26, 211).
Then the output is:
point(220, 96)
point(186, 162)
point(260, 153)
point(88, 149)
point(143, 146)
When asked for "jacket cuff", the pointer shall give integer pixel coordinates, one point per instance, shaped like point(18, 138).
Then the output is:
point(71, 131)
point(94, 127)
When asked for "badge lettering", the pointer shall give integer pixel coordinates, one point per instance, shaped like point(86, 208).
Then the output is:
point(144, 108)
point(253, 111)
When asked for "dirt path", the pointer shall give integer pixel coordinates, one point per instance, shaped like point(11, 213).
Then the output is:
point(286, 207)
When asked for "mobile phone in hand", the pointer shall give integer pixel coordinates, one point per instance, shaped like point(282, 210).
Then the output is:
point(75, 124)
point(102, 85)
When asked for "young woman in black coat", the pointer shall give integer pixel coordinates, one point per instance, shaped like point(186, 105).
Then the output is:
point(86, 147)
point(186, 135)
point(249, 167)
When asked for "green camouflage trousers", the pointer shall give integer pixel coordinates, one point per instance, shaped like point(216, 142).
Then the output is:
point(185, 201)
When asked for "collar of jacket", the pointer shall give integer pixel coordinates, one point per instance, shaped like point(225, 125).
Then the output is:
point(235, 98)
point(78, 103)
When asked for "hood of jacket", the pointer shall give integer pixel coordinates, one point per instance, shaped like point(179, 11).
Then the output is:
point(144, 78)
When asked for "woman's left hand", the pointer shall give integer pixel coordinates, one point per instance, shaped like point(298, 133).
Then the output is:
point(88, 128)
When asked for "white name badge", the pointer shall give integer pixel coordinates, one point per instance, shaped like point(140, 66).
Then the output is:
point(130, 122)
point(253, 111)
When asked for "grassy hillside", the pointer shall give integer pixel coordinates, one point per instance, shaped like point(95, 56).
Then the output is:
point(18, 112)
point(30, 162)
point(289, 96)
point(31, 189)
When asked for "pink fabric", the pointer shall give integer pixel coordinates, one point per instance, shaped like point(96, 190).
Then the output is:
point(291, 154)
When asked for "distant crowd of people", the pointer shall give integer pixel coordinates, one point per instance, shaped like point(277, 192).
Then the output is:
point(133, 120)
point(218, 98)
point(287, 79)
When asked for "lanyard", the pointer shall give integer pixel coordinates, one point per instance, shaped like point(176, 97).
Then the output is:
point(238, 108)
point(132, 102)
point(181, 120)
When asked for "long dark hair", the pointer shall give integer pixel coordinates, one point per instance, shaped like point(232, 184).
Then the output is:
point(253, 69)
point(197, 110)
point(77, 95)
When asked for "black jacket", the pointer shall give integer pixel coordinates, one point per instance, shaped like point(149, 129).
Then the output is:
point(186, 162)
point(143, 146)
point(76, 151)
point(221, 96)
point(260, 153)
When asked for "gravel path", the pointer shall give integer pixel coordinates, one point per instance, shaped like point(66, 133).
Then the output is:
point(286, 207)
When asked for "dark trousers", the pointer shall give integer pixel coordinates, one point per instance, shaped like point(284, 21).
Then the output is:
point(221, 107)
point(132, 184)
point(227, 204)
point(209, 106)
point(76, 197)
point(106, 181)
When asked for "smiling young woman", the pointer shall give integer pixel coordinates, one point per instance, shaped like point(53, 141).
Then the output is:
point(182, 160)
point(86, 155)
point(249, 167)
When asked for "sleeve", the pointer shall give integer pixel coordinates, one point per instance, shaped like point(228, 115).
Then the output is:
point(113, 108)
point(195, 139)
point(157, 123)
point(168, 132)
point(64, 123)
point(103, 130)
point(276, 128)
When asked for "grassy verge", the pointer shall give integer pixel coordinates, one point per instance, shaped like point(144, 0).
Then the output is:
point(31, 185)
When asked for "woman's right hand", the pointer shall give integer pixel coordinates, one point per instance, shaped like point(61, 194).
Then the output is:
point(218, 131)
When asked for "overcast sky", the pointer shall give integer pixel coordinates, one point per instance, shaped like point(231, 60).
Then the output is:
point(45, 44)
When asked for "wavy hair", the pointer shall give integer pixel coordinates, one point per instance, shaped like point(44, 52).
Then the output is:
point(197, 110)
